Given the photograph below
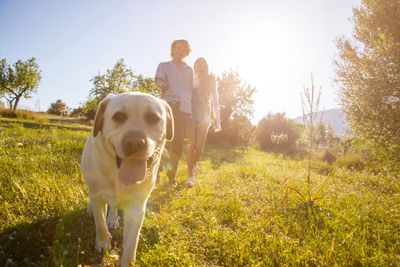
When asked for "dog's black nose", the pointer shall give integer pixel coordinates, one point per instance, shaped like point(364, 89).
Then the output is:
point(134, 142)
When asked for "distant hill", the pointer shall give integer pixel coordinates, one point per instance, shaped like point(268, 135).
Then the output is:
point(334, 117)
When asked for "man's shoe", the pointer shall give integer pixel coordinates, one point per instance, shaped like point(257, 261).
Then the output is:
point(172, 182)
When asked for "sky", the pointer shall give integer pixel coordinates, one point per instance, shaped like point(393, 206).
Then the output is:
point(274, 45)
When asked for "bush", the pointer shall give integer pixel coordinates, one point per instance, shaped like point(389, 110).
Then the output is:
point(23, 114)
point(276, 133)
point(326, 155)
point(8, 113)
point(321, 167)
point(236, 132)
point(58, 108)
point(351, 162)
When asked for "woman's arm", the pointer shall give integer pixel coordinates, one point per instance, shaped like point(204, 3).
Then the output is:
point(215, 103)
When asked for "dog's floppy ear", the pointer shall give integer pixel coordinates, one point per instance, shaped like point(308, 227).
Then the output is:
point(170, 122)
point(99, 119)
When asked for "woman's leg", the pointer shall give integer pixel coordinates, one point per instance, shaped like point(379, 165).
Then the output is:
point(191, 141)
point(201, 134)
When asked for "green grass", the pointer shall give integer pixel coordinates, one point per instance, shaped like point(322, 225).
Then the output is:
point(241, 212)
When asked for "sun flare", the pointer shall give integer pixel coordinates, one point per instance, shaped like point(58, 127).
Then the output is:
point(263, 52)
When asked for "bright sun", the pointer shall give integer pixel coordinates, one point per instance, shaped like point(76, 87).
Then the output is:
point(261, 53)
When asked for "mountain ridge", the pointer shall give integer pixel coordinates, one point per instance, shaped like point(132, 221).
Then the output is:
point(334, 117)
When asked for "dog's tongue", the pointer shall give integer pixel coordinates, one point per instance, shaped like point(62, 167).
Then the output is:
point(132, 171)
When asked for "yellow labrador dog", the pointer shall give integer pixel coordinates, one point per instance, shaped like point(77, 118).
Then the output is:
point(120, 163)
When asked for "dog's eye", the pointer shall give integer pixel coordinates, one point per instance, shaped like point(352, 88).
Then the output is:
point(119, 117)
point(152, 118)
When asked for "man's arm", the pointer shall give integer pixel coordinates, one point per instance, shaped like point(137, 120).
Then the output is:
point(161, 80)
point(162, 84)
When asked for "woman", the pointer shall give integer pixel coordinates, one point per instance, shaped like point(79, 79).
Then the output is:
point(205, 103)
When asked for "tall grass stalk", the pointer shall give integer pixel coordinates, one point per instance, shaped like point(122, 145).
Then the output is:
point(310, 100)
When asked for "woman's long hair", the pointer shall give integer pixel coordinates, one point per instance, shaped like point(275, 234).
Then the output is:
point(205, 78)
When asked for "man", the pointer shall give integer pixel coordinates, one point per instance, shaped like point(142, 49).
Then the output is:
point(175, 78)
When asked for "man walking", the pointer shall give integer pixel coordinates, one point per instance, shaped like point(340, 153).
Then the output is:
point(175, 78)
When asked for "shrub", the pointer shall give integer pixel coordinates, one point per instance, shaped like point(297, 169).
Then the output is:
point(326, 155)
point(58, 108)
point(276, 133)
point(351, 161)
point(24, 114)
point(320, 167)
point(8, 113)
point(236, 132)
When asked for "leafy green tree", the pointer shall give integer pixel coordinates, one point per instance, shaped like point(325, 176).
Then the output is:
point(118, 80)
point(146, 85)
point(89, 108)
point(368, 70)
point(59, 108)
point(76, 112)
point(19, 81)
point(236, 97)
point(236, 108)
point(121, 79)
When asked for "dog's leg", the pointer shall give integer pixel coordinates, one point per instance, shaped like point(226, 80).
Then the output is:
point(113, 218)
point(133, 219)
point(98, 208)
point(89, 209)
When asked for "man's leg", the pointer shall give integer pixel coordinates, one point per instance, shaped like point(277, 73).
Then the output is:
point(177, 142)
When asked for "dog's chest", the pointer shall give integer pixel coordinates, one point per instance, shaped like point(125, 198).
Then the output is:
point(122, 196)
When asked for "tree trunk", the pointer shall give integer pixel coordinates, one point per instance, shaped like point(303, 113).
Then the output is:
point(10, 103)
point(17, 98)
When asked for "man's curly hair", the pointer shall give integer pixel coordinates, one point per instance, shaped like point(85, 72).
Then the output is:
point(183, 41)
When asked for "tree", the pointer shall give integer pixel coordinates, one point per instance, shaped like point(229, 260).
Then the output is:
point(276, 133)
point(368, 71)
point(76, 112)
point(118, 80)
point(121, 79)
point(146, 85)
point(89, 108)
point(58, 108)
point(236, 108)
point(19, 81)
point(235, 96)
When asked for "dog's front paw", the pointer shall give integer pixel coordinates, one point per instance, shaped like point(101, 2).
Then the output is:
point(102, 246)
point(89, 209)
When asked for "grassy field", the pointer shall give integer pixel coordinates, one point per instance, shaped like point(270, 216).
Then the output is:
point(243, 211)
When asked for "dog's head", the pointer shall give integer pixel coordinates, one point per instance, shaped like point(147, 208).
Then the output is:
point(135, 126)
